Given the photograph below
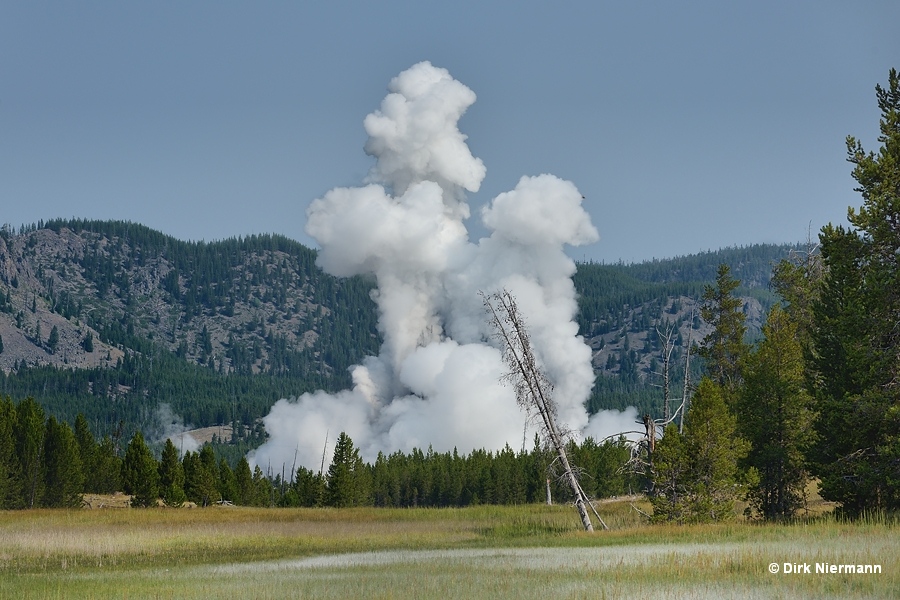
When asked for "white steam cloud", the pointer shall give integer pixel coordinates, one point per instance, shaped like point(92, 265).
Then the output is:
point(436, 380)
point(170, 426)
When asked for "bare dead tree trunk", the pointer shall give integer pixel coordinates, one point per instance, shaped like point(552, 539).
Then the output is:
point(324, 448)
point(668, 346)
point(650, 428)
point(687, 374)
point(549, 497)
point(533, 389)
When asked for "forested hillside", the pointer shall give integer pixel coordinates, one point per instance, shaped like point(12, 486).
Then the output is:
point(627, 310)
point(110, 319)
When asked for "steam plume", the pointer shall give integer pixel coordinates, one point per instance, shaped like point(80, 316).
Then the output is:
point(436, 379)
point(169, 425)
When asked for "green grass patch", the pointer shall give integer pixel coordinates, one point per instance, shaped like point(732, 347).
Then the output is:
point(521, 552)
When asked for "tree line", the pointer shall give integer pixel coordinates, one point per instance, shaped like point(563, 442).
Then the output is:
point(45, 463)
point(819, 395)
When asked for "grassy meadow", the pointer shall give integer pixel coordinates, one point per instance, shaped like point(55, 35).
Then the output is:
point(521, 552)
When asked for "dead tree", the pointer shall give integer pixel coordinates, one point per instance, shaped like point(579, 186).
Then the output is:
point(687, 376)
point(533, 389)
point(642, 450)
point(667, 338)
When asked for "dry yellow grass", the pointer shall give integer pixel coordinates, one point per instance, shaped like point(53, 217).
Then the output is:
point(480, 552)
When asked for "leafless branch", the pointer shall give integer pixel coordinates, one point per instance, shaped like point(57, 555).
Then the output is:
point(533, 388)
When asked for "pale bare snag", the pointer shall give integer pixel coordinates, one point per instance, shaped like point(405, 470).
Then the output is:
point(533, 389)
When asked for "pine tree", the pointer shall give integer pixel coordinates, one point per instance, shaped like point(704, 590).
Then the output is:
point(63, 477)
point(10, 483)
point(856, 337)
point(87, 447)
point(30, 449)
point(140, 473)
point(105, 475)
point(696, 474)
point(724, 347)
point(201, 476)
point(309, 487)
point(715, 450)
point(671, 478)
point(171, 476)
point(775, 415)
point(209, 477)
point(88, 342)
point(227, 482)
point(243, 483)
point(345, 482)
point(53, 340)
point(262, 488)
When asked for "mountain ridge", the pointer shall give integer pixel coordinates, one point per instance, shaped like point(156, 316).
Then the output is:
point(257, 313)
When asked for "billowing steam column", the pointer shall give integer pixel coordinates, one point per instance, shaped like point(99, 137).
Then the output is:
point(534, 392)
point(436, 379)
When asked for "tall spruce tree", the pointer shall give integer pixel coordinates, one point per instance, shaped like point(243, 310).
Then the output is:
point(140, 473)
point(63, 477)
point(774, 413)
point(262, 488)
point(672, 482)
point(171, 476)
point(696, 474)
point(201, 476)
point(87, 446)
point(243, 478)
point(53, 340)
point(724, 347)
point(105, 475)
point(30, 450)
point(345, 483)
point(227, 482)
point(10, 483)
point(209, 477)
point(857, 330)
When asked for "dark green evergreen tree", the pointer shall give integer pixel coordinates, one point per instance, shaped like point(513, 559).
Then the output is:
point(87, 446)
point(30, 449)
point(227, 482)
point(10, 482)
point(262, 489)
point(209, 478)
point(63, 477)
point(171, 476)
point(856, 335)
point(201, 476)
point(309, 487)
point(105, 475)
point(697, 478)
point(346, 483)
point(724, 347)
point(775, 414)
point(715, 449)
point(140, 473)
point(87, 343)
point(243, 479)
point(53, 340)
point(672, 483)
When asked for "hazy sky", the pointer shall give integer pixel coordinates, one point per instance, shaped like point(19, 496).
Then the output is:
point(687, 125)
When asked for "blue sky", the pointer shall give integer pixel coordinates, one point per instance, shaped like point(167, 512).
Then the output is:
point(687, 127)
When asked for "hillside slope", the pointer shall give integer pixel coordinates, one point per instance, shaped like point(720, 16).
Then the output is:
point(113, 318)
